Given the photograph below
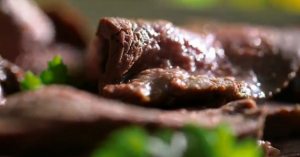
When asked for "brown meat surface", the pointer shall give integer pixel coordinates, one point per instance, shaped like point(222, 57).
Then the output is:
point(63, 121)
point(176, 87)
point(124, 48)
point(10, 75)
point(60, 119)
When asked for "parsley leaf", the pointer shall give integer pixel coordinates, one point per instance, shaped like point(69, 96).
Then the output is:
point(192, 141)
point(31, 82)
point(128, 142)
point(56, 73)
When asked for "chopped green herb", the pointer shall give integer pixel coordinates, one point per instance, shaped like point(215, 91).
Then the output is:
point(31, 82)
point(129, 142)
point(56, 73)
point(192, 141)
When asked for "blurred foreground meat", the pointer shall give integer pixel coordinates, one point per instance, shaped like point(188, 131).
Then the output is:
point(58, 120)
point(265, 58)
point(23, 25)
point(62, 121)
point(71, 27)
point(31, 36)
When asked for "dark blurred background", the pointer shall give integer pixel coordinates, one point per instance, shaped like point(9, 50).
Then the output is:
point(264, 12)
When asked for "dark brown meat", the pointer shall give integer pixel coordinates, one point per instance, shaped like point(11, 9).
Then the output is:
point(281, 128)
point(268, 149)
point(123, 48)
point(10, 75)
point(291, 93)
point(128, 47)
point(270, 54)
point(288, 148)
point(176, 87)
point(59, 119)
point(238, 37)
point(62, 121)
point(282, 123)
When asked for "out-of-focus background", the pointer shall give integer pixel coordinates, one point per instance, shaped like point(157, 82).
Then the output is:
point(265, 12)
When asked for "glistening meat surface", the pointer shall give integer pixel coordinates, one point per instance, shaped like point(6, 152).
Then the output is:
point(166, 87)
point(124, 48)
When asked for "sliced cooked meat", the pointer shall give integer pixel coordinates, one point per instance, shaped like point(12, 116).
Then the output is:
point(124, 48)
point(166, 88)
point(60, 119)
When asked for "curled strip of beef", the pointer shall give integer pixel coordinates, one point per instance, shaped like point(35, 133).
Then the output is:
point(127, 47)
point(176, 87)
point(56, 120)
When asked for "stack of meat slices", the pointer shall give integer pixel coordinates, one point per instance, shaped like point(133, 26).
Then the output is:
point(147, 73)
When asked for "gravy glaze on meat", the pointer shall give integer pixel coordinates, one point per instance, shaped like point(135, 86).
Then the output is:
point(252, 55)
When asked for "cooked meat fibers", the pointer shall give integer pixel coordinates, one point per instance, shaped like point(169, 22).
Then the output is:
point(128, 47)
point(125, 48)
point(166, 87)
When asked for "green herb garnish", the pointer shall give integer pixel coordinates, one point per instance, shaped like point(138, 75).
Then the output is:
point(192, 141)
point(56, 73)
point(31, 82)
